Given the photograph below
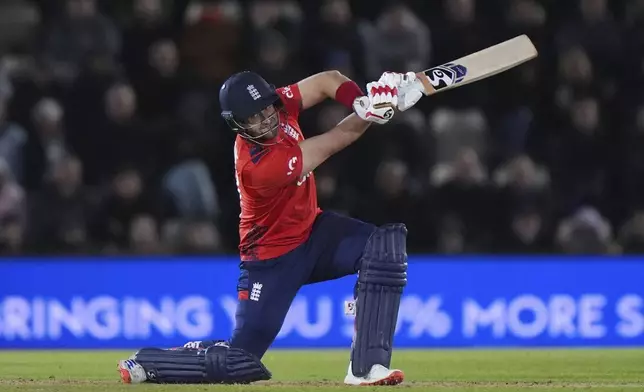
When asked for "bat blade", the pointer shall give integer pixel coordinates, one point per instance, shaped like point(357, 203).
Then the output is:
point(477, 66)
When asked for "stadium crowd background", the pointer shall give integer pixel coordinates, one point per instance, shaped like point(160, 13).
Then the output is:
point(111, 140)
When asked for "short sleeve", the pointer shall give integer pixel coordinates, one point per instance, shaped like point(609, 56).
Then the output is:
point(279, 167)
point(291, 98)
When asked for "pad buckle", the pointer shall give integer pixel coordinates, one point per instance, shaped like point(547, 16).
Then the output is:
point(350, 308)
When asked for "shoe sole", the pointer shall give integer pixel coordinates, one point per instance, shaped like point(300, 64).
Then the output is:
point(395, 378)
point(125, 374)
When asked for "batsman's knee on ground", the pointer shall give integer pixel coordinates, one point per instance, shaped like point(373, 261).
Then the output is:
point(218, 364)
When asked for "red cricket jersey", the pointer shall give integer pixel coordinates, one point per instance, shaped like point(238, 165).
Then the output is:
point(278, 202)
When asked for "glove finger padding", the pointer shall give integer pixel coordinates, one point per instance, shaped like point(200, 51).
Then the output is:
point(394, 100)
point(392, 78)
point(410, 90)
point(384, 95)
point(378, 106)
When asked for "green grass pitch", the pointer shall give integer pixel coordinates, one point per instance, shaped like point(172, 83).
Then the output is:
point(431, 370)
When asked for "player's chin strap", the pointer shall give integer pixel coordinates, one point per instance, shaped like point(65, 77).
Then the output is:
point(382, 277)
point(243, 130)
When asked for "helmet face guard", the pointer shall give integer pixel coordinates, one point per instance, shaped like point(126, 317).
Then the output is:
point(255, 131)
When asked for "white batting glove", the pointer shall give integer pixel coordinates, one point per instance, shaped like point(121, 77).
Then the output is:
point(410, 89)
point(378, 106)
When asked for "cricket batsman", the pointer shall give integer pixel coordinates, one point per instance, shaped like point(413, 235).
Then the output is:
point(286, 241)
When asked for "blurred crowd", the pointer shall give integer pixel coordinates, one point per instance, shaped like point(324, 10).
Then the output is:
point(111, 139)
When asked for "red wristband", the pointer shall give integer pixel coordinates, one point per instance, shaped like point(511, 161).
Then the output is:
point(347, 93)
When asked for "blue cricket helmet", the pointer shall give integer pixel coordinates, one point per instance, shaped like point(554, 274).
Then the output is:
point(244, 95)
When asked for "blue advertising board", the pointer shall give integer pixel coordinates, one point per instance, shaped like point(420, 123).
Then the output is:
point(449, 302)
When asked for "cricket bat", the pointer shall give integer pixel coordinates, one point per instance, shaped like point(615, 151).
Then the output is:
point(476, 66)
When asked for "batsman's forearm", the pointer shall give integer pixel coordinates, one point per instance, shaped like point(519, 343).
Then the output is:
point(334, 79)
point(350, 129)
point(318, 149)
point(328, 84)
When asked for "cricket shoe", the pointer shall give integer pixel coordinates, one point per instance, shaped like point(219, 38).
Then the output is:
point(131, 372)
point(378, 375)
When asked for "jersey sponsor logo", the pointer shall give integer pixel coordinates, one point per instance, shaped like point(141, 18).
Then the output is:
point(446, 75)
point(288, 93)
point(253, 92)
point(291, 166)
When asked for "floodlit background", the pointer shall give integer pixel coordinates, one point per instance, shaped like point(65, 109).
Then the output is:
point(111, 140)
